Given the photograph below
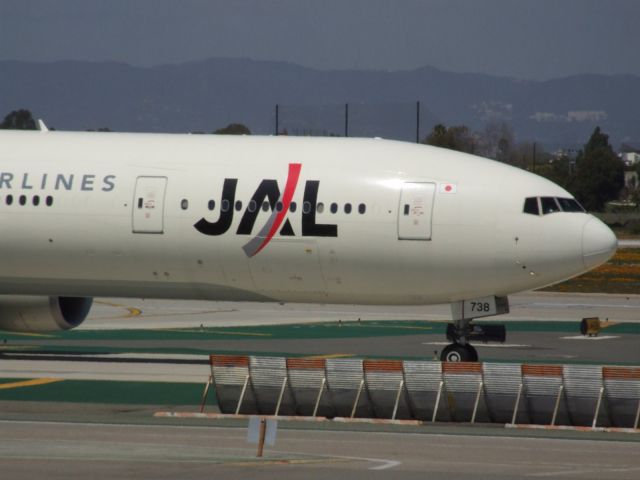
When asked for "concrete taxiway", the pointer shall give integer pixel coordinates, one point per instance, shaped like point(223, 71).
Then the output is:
point(82, 402)
point(162, 340)
point(140, 313)
point(64, 450)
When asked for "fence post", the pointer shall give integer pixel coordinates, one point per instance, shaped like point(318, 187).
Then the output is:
point(435, 408)
point(205, 393)
point(395, 408)
point(475, 406)
point(418, 122)
point(284, 385)
point(346, 119)
point(263, 432)
point(355, 404)
point(244, 389)
point(315, 410)
point(555, 410)
point(595, 415)
point(515, 409)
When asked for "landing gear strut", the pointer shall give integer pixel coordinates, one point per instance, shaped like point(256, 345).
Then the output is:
point(461, 330)
point(460, 350)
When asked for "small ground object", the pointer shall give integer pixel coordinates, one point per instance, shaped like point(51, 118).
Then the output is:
point(590, 326)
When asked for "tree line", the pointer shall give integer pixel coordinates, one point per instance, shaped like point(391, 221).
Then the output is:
point(595, 176)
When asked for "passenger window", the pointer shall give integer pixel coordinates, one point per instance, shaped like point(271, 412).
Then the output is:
point(292, 207)
point(9, 199)
point(334, 208)
point(549, 205)
point(238, 206)
point(347, 208)
point(279, 206)
point(531, 206)
point(23, 199)
point(184, 204)
point(36, 200)
point(570, 205)
point(320, 207)
point(211, 205)
point(306, 207)
point(49, 200)
point(225, 205)
point(252, 206)
point(265, 206)
point(362, 208)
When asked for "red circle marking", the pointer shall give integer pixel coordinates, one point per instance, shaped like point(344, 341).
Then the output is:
point(447, 188)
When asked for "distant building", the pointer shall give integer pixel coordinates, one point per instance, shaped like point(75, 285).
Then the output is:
point(569, 153)
point(631, 180)
point(630, 158)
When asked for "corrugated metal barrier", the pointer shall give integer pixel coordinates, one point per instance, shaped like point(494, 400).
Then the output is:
point(554, 395)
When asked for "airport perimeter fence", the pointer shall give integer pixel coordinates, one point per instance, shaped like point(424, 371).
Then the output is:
point(407, 121)
point(509, 393)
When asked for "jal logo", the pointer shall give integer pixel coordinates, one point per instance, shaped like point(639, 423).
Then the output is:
point(269, 191)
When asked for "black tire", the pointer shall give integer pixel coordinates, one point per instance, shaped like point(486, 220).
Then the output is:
point(459, 353)
point(473, 353)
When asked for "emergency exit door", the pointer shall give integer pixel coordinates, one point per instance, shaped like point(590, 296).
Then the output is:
point(148, 205)
point(416, 210)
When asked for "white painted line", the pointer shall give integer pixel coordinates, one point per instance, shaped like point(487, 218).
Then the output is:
point(484, 345)
point(583, 337)
point(133, 356)
point(601, 471)
point(574, 305)
point(386, 465)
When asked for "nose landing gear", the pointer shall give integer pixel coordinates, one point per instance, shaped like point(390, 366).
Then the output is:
point(460, 350)
point(461, 331)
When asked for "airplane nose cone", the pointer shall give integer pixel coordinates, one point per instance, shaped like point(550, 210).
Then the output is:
point(598, 243)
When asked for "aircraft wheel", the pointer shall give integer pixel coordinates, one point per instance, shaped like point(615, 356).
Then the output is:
point(473, 353)
point(459, 353)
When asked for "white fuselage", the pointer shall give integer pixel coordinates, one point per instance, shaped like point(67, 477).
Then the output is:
point(124, 210)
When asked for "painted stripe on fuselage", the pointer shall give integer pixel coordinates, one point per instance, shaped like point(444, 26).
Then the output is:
point(257, 243)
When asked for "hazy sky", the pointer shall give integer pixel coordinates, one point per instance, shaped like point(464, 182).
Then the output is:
point(521, 38)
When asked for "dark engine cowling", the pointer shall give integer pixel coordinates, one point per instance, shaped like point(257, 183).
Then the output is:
point(22, 313)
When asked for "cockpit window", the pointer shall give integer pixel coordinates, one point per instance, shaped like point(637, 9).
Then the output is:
point(549, 205)
point(570, 205)
point(531, 206)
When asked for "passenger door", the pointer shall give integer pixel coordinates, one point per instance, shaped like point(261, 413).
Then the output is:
point(416, 210)
point(148, 205)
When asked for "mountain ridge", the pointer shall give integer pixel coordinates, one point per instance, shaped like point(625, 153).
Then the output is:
point(207, 94)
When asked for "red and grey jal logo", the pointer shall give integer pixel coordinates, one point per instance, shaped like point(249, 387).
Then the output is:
point(278, 202)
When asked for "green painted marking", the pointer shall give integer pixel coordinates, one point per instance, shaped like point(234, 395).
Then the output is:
point(315, 331)
point(85, 391)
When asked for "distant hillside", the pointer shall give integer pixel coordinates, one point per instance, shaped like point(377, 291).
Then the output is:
point(206, 95)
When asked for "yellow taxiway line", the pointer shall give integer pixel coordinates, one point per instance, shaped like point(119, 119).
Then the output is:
point(22, 334)
point(332, 355)
point(29, 383)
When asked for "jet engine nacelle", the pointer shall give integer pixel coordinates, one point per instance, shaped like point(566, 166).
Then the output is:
point(42, 314)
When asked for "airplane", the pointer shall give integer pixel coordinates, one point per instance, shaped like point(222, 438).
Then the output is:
point(277, 219)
